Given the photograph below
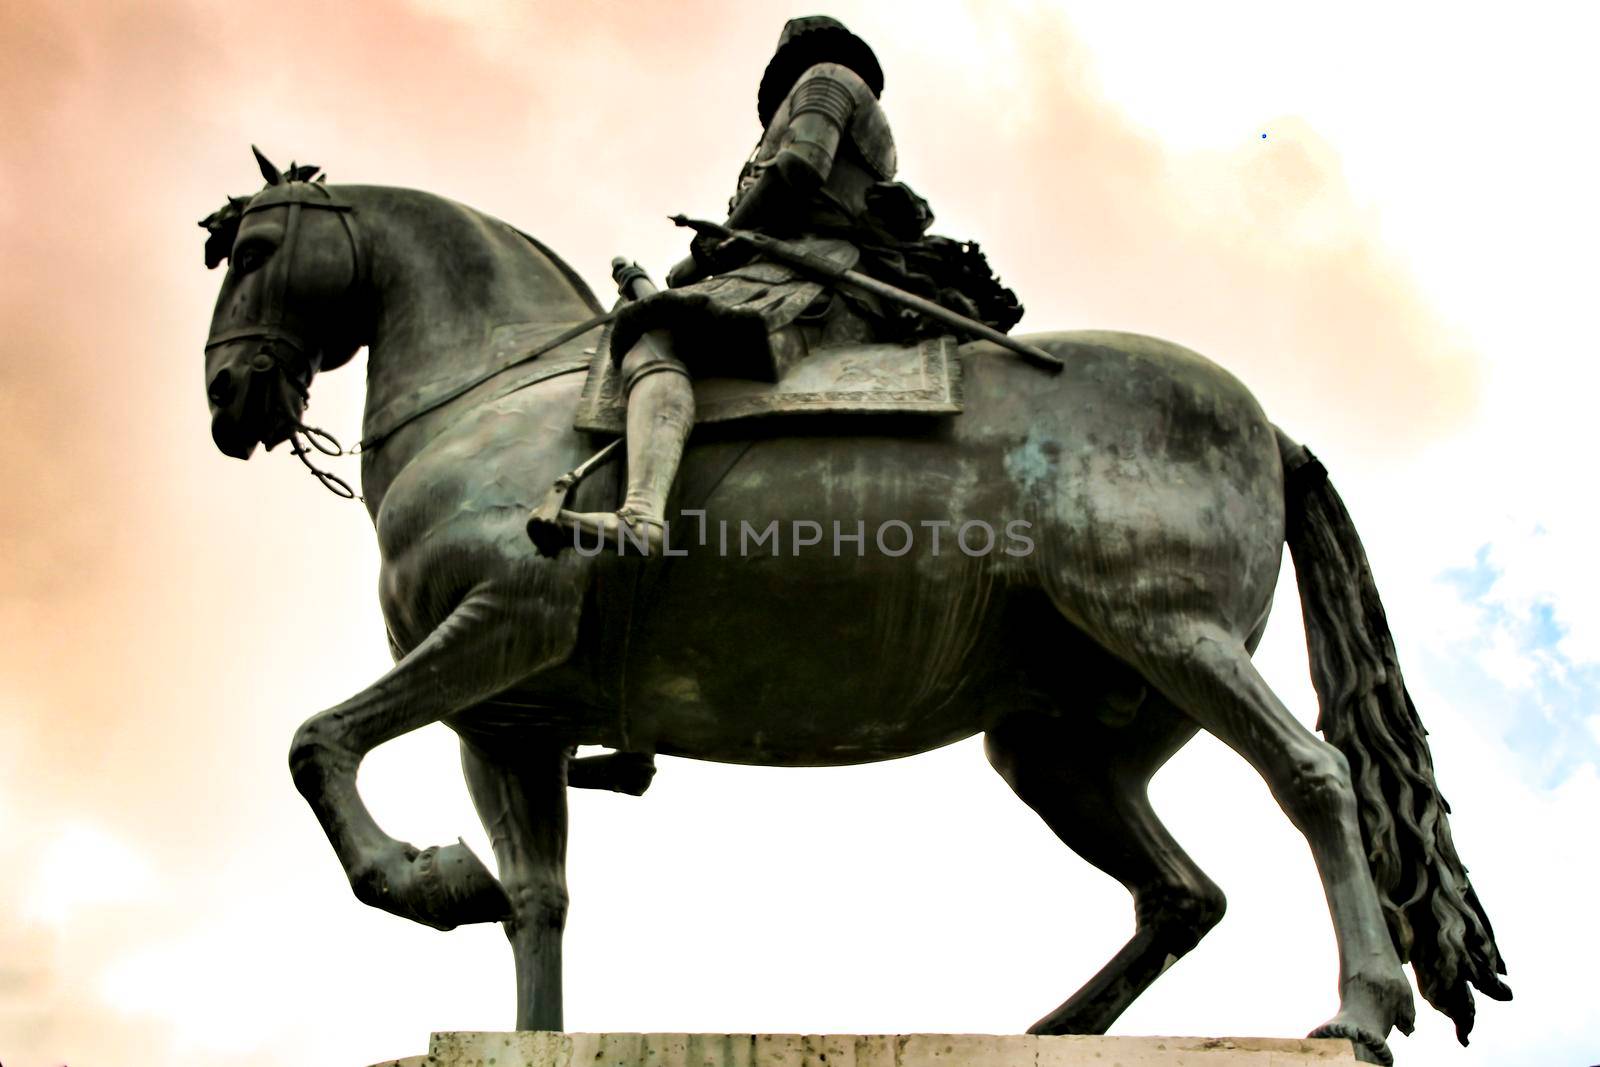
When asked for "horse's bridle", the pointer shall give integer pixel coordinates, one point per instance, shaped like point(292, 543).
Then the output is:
point(271, 331)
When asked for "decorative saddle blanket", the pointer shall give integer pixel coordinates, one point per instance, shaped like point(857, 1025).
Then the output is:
point(855, 379)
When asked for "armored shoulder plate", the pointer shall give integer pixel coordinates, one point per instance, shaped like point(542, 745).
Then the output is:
point(840, 93)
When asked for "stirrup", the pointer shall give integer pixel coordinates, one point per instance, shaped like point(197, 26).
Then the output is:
point(545, 530)
point(632, 532)
point(549, 537)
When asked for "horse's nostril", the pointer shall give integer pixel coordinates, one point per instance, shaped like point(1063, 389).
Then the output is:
point(220, 391)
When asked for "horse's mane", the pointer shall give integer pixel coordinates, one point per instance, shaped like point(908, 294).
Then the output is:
point(572, 276)
point(222, 225)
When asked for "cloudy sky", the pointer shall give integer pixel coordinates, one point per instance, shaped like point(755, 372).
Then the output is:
point(1401, 268)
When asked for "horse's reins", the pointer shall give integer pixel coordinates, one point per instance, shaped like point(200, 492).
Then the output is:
point(372, 441)
point(272, 332)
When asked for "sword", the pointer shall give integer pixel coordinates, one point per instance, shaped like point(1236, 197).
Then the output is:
point(819, 267)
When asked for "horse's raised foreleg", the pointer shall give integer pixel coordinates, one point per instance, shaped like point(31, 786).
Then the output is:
point(522, 799)
point(1088, 783)
point(1208, 674)
point(480, 649)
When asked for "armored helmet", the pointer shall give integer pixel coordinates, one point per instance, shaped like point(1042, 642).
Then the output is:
point(805, 42)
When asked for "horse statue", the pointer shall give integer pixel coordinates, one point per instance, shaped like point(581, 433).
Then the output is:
point(1156, 499)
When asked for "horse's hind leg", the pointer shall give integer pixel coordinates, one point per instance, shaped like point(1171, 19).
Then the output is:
point(1207, 673)
point(1088, 781)
point(522, 800)
point(479, 650)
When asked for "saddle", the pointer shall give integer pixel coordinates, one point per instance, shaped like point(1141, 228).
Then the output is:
point(922, 378)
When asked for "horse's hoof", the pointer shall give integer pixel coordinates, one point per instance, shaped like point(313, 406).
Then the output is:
point(1370, 1048)
point(452, 887)
point(1066, 1021)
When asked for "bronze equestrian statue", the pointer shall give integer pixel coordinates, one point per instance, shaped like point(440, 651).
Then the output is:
point(1157, 499)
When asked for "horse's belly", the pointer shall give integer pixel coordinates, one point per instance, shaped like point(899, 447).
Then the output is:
point(816, 741)
point(861, 671)
point(813, 660)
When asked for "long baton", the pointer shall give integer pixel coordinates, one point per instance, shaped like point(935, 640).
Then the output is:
point(821, 267)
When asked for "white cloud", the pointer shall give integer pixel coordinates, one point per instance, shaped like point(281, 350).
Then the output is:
point(82, 867)
point(1505, 660)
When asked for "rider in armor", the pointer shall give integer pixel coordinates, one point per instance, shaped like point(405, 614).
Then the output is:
point(821, 177)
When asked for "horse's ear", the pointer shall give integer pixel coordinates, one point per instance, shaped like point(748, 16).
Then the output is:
point(268, 171)
point(223, 227)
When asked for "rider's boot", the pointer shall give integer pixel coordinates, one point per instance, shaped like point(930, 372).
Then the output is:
point(660, 415)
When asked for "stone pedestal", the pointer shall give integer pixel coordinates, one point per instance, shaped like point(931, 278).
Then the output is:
point(548, 1049)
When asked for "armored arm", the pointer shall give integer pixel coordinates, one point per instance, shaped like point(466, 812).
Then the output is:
point(807, 132)
point(819, 111)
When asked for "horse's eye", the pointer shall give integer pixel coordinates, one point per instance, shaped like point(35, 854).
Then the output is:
point(249, 257)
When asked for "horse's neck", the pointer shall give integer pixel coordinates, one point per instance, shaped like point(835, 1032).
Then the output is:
point(449, 286)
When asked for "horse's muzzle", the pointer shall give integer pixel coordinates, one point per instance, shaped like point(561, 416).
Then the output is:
point(251, 404)
point(230, 438)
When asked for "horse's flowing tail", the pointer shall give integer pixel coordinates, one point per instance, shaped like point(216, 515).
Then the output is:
point(1433, 914)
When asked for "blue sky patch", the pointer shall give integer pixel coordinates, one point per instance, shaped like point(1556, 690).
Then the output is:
point(1544, 724)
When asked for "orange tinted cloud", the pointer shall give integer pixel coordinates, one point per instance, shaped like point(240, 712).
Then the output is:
point(1259, 256)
